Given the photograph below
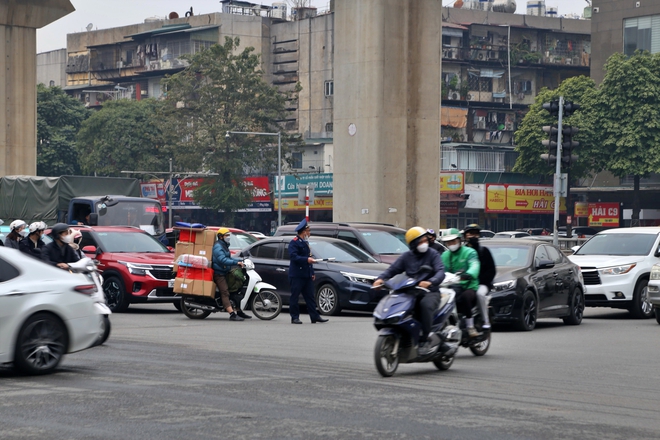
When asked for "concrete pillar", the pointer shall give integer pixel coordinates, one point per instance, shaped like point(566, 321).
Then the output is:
point(387, 111)
point(19, 21)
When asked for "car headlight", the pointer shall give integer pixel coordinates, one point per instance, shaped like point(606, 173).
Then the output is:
point(655, 272)
point(617, 270)
point(359, 278)
point(504, 285)
point(136, 268)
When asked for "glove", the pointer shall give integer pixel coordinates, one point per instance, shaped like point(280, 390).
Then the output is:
point(466, 276)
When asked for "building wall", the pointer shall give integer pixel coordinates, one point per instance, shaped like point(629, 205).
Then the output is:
point(51, 68)
point(607, 29)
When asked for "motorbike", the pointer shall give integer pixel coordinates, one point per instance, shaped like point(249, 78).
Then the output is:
point(399, 330)
point(87, 267)
point(262, 298)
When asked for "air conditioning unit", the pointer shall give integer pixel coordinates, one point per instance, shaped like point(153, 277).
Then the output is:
point(482, 55)
point(446, 53)
point(481, 123)
point(472, 96)
point(455, 96)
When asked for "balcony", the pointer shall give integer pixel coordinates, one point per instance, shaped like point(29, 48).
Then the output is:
point(492, 161)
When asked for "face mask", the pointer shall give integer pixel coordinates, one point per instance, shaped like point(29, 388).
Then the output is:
point(423, 248)
point(454, 247)
point(474, 242)
point(24, 233)
point(67, 239)
point(227, 239)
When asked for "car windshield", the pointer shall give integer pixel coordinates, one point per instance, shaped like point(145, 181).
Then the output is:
point(342, 252)
point(129, 242)
point(240, 240)
point(383, 242)
point(618, 244)
point(510, 255)
point(145, 215)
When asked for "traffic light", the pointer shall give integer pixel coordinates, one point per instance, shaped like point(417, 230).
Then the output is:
point(570, 107)
point(568, 145)
point(552, 107)
point(550, 144)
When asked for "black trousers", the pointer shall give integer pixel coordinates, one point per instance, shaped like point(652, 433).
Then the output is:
point(426, 307)
point(465, 301)
point(306, 287)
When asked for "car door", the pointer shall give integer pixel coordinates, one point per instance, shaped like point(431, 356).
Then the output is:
point(267, 264)
point(543, 279)
point(563, 272)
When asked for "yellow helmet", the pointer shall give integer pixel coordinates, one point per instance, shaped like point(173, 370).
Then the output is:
point(223, 231)
point(414, 233)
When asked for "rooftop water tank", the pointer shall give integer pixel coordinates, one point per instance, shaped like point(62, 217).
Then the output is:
point(507, 6)
point(551, 12)
point(279, 10)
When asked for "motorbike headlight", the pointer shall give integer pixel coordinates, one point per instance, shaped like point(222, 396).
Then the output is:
point(136, 268)
point(504, 285)
point(617, 270)
point(655, 272)
point(359, 278)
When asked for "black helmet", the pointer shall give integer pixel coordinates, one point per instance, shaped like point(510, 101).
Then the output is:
point(59, 228)
point(472, 227)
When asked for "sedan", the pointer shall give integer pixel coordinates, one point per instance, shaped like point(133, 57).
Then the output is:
point(512, 234)
point(534, 280)
point(343, 279)
point(45, 312)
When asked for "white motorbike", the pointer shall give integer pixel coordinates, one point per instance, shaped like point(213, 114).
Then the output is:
point(86, 267)
point(262, 298)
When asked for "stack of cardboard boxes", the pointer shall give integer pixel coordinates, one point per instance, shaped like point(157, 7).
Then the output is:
point(194, 279)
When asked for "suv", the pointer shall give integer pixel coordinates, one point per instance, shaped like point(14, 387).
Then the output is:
point(616, 265)
point(136, 267)
point(382, 241)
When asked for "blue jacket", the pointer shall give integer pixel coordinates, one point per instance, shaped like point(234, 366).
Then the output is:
point(410, 262)
point(299, 252)
point(222, 260)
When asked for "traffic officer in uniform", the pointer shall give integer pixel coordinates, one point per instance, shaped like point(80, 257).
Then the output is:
point(301, 275)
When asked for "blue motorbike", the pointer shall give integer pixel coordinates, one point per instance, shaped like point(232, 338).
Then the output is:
point(399, 330)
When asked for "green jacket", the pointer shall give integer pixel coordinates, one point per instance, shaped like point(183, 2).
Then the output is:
point(465, 259)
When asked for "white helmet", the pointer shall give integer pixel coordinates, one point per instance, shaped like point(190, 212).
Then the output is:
point(37, 226)
point(16, 224)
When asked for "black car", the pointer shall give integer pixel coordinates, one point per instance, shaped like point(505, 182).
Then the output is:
point(342, 283)
point(534, 280)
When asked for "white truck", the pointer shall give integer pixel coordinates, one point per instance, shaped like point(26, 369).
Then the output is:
point(616, 265)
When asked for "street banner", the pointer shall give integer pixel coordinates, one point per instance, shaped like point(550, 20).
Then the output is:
point(604, 215)
point(321, 182)
point(581, 209)
point(521, 199)
point(184, 193)
point(154, 190)
point(452, 182)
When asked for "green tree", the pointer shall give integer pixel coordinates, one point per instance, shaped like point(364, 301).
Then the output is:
point(628, 118)
point(223, 90)
point(122, 135)
point(59, 118)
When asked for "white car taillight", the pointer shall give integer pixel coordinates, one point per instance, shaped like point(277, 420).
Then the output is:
point(86, 289)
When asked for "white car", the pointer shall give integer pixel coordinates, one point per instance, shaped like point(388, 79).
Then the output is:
point(257, 234)
point(45, 312)
point(616, 266)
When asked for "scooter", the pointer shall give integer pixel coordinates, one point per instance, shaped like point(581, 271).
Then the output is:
point(266, 304)
point(86, 267)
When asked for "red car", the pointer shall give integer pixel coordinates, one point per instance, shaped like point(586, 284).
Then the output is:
point(136, 267)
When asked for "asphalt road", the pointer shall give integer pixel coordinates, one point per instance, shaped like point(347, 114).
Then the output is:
point(164, 376)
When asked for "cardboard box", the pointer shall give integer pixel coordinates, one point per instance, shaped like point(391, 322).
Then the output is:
point(187, 235)
point(193, 273)
point(205, 237)
point(193, 249)
point(204, 288)
point(183, 248)
point(204, 250)
point(183, 286)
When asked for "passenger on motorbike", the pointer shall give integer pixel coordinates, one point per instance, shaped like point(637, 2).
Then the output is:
point(18, 231)
point(33, 244)
point(433, 244)
point(464, 261)
point(487, 268)
point(411, 262)
point(75, 243)
point(58, 252)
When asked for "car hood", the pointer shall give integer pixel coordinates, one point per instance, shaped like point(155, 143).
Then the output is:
point(605, 260)
point(509, 273)
point(160, 258)
point(373, 269)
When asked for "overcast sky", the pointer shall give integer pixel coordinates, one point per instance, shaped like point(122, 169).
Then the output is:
point(105, 14)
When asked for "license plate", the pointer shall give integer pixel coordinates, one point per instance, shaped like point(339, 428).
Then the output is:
point(170, 284)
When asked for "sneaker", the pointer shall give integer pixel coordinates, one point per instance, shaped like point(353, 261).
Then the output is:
point(472, 332)
point(235, 317)
point(243, 315)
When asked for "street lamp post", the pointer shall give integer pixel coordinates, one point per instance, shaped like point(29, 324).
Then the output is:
point(279, 166)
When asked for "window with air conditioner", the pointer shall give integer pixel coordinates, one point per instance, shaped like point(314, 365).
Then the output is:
point(329, 88)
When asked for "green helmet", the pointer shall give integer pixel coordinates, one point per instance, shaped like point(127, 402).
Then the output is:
point(450, 234)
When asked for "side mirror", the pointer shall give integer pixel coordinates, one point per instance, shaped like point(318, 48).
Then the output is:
point(89, 250)
point(93, 219)
point(545, 264)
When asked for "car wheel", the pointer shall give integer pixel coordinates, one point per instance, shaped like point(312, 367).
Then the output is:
point(106, 328)
point(41, 344)
point(657, 314)
point(327, 300)
point(115, 294)
point(528, 312)
point(641, 307)
point(577, 308)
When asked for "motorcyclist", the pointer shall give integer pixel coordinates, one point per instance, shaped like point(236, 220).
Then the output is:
point(410, 262)
point(33, 244)
point(487, 270)
point(59, 253)
point(463, 260)
point(18, 231)
point(433, 244)
point(222, 264)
